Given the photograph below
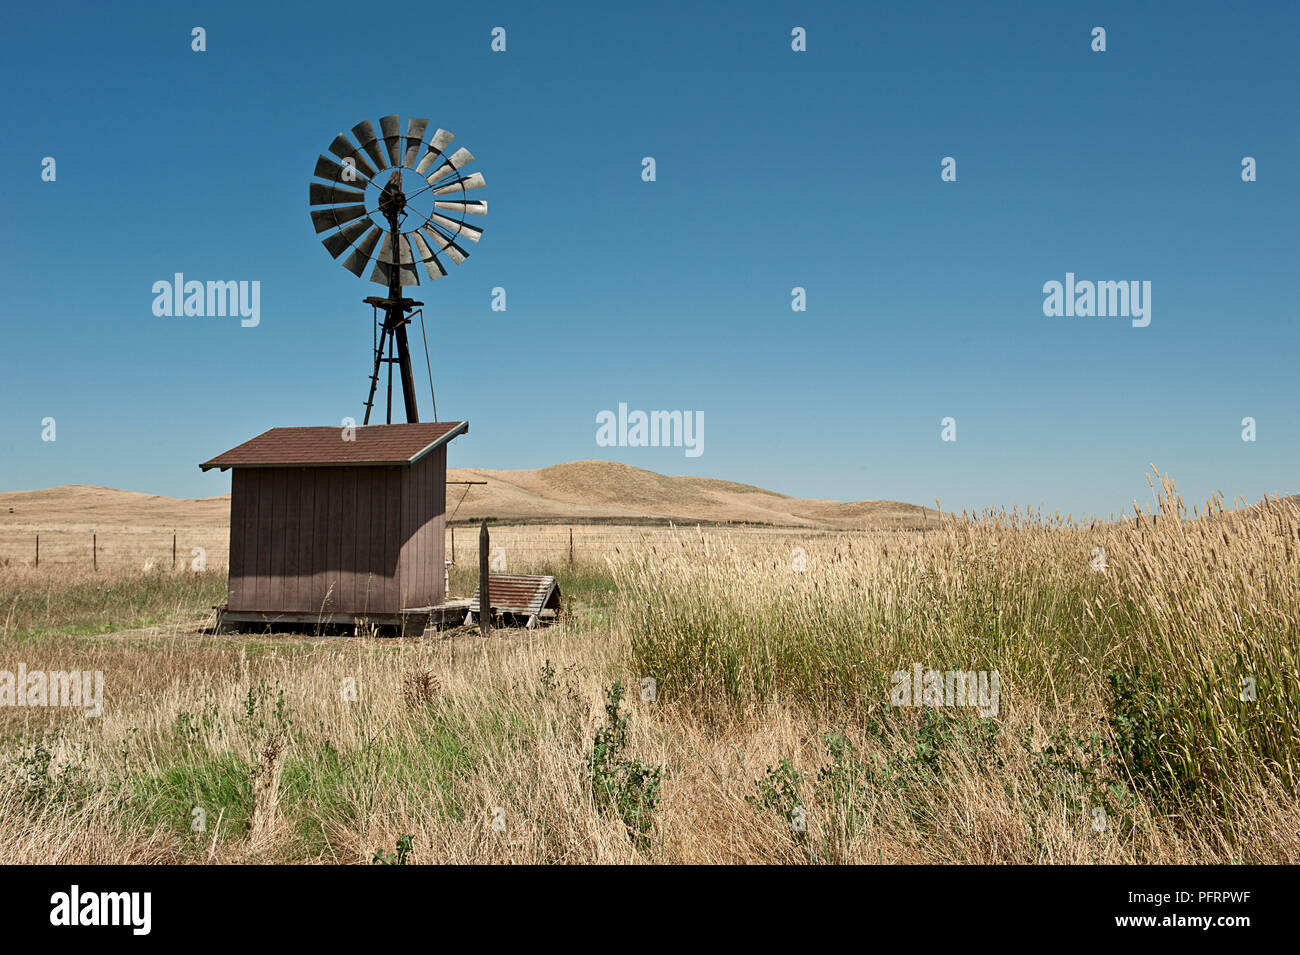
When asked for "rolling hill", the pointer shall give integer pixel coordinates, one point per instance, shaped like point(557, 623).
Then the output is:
point(576, 492)
point(608, 491)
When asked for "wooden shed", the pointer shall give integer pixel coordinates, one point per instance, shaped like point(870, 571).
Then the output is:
point(338, 524)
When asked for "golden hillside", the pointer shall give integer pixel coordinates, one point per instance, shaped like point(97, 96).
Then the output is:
point(612, 492)
point(579, 491)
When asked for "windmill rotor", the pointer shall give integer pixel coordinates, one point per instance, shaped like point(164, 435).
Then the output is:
point(393, 203)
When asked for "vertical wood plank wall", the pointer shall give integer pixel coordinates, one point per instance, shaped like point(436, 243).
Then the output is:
point(340, 539)
point(424, 506)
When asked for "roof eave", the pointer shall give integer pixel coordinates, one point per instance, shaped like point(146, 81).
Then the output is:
point(461, 428)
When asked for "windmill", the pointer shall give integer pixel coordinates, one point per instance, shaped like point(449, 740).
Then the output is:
point(410, 193)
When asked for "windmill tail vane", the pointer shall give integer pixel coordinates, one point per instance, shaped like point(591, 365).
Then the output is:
point(416, 215)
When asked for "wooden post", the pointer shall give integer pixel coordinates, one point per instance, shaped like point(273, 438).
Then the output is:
point(453, 545)
point(173, 550)
point(484, 588)
point(570, 546)
point(94, 552)
point(38, 550)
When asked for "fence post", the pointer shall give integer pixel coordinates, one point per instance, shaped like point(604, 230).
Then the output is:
point(173, 550)
point(38, 550)
point(94, 552)
point(570, 546)
point(484, 587)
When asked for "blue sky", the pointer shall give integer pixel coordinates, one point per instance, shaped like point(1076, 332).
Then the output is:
point(775, 169)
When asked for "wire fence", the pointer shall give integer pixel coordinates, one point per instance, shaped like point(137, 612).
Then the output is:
point(557, 542)
point(124, 549)
point(207, 548)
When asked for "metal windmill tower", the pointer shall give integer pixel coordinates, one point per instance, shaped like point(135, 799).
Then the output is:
point(418, 213)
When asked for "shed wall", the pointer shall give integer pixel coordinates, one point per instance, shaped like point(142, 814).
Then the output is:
point(424, 510)
point(337, 539)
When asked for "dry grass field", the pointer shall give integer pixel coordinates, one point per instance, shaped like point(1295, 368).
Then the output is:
point(1123, 731)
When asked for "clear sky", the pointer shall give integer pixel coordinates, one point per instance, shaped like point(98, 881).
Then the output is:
point(774, 169)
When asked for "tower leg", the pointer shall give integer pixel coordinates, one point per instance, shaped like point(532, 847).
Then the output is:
point(388, 417)
point(408, 379)
point(374, 378)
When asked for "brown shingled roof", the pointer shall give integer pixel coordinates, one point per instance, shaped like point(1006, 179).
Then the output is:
point(318, 447)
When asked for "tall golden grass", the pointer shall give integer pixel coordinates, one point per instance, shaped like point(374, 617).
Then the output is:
point(1121, 736)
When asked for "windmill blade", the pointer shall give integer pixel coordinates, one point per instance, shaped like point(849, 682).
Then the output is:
point(478, 208)
point(445, 244)
point(472, 181)
point(406, 274)
point(338, 215)
point(456, 161)
point(405, 264)
point(429, 159)
point(391, 127)
point(320, 195)
point(365, 134)
point(432, 264)
point(415, 128)
point(327, 168)
point(448, 245)
point(435, 268)
point(403, 250)
point(343, 148)
point(339, 242)
point(441, 140)
point(473, 233)
point(360, 257)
